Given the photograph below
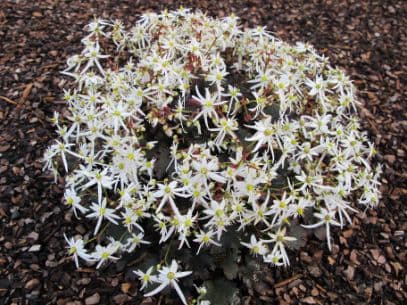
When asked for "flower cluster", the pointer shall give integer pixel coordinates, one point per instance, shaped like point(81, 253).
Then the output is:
point(192, 125)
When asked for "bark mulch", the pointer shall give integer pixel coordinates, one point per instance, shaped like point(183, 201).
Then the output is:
point(367, 38)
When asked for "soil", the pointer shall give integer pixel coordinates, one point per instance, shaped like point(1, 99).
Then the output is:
point(366, 38)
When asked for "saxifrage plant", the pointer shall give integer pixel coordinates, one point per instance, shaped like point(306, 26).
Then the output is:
point(196, 138)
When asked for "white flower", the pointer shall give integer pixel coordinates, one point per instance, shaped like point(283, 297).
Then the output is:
point(208, 106)
point(260, 103)
point(93, 56)
point(234, 95)
point(217, 76)
point(146, 278)
point(101, 179)
point(167, 192)
point(249, 185)
point(279, 238)
point(100, 211)
point(73, 200)
point(205, 239)
point(274, 258)
point(265, 134)
point(226, 127)
point(76, 248)
point(260, 212)
point(318, 88)
point(96, 27)
point(63, 148)
point(103, 254)
point(207, 169)
point(130, 218)
point(168, 276)
point(135, 241)
point(262, 80)
point(326, 217)
point(256, 247)
point(335, 202)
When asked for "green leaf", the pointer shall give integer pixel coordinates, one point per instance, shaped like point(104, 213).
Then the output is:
point(252, 271)
point(273, 110)
point(230, 266)
point(231, 238)
point(242, 133)
point(300, 233)
point(201, 263)
point(163, 158)
point(118, 232)
point(279, 182)
point(220, 291)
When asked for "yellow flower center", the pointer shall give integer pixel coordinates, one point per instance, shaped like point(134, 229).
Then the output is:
point(72, 250)
point(268, 132)
point(171, 275)
point(188, 223)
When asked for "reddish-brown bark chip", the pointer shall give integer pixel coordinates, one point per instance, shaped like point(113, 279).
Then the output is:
point(366, 38)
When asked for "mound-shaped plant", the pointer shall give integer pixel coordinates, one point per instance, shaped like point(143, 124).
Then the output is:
point(189, 133)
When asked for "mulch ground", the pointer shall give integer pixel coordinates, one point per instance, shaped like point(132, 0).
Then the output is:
point(366, 38)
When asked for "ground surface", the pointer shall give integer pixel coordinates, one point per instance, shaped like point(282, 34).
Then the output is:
point(367, 38)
